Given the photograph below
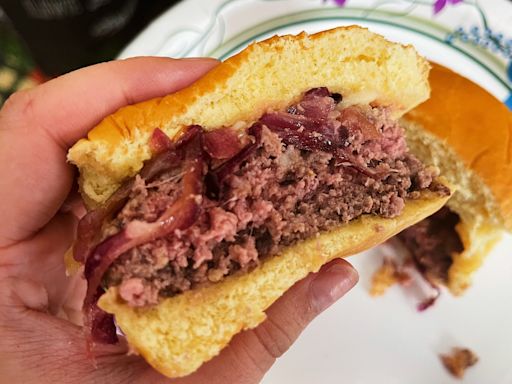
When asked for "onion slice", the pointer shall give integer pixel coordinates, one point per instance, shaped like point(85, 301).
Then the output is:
point(160, 142)
point(179, 216)
point(222, 144)
point(89, 226)
point(229, 166)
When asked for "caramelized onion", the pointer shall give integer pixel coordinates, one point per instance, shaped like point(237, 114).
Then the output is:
point(229, 166)
point(101, 327)
point(354, 120)
point(222, 144)
point(89, 226)
point(162, 162)
point(180, 215)
point(302, 132)
point(307, 126)
point(430, 301)
point(319, 92)
point(168, 157)
point(159, 141)
point(317, 104)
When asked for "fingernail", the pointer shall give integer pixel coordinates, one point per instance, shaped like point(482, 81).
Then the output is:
point(331, 283)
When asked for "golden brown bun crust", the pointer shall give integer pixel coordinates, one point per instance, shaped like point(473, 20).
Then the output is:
point(474, 124)
point(362, 66)
point(182, 332)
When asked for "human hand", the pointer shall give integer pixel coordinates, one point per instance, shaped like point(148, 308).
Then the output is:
point(39, 306)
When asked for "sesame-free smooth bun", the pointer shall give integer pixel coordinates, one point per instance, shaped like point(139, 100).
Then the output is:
point(362, 66)
point(467, 133)
point(354, 75)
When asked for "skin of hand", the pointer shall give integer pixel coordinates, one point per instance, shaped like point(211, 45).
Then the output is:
point(40, 307)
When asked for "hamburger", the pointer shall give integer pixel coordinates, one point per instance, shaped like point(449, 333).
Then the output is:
point(206, 205)
point(465, 132)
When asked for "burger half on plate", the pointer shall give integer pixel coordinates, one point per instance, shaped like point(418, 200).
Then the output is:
point(208, 204)
point(467, 133)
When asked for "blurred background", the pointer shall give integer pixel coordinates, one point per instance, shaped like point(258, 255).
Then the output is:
point(41, 39)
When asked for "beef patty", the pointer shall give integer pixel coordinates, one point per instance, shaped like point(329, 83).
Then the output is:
point(432, 242)
point(293, 174)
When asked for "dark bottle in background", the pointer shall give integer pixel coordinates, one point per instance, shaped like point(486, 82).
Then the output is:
point(63, 35)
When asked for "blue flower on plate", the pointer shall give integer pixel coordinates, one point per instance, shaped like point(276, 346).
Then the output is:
point(440, 4)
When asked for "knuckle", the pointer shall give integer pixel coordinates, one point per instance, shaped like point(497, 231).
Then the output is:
point(244, 360)
point(274, 338)
point(20, 102)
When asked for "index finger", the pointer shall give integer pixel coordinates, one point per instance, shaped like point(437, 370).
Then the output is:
point(38, 126)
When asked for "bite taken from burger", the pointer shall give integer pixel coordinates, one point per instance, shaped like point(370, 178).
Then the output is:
point(206, 205)
point(465, 132)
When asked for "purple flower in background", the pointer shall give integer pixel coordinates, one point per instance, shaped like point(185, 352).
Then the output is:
point(340, 3)
point(440, 4)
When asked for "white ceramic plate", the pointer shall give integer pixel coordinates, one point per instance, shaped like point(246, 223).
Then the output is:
point(362, 339)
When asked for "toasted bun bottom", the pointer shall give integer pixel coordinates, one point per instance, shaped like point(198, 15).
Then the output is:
point(183, 332)
point(479, 228)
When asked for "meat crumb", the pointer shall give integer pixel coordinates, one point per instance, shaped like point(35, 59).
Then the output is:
point(388, 274)
point(134, 292)
point(458, 361)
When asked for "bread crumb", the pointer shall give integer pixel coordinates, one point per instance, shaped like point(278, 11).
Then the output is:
point(382, 279)
point(458, 361)
point(387, 275)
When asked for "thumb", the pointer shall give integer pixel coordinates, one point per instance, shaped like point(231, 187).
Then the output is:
point(251, 354)
point(50, 349)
